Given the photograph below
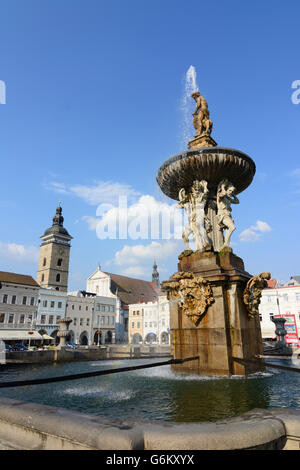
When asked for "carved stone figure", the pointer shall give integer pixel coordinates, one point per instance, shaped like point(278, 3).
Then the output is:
point(226, 197)
point(184, 203)
point(194, 294)
point(194, 205)
point(199, 196)
point(253, 291)
point(201, 121)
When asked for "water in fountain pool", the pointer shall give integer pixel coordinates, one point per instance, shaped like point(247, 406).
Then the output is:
point(155, 394)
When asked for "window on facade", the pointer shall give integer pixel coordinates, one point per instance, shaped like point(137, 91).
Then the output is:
point(59, 304)
point(132, 324)
point(22, 318)
point(260, 318)
point(81, 321)
point(44, 303)
point(29, 318)
point(112, 320)
point(57, 277)
point(44, 262)
point(102, 320)
point(138, 324)
point(79, 307)
point(146, 324)
point(13, 299)
point(11, 318)
point(87, 322)
point(58, 318)
point(59, 262)
point(2, 317)
point(97, 307)
point(271, 316)
point(150, 324)
point(269, 298)
point(32, 301)
point(133, 313)
point(43, 277)
point(107, 320)
point(43, 319)
point(86, 308)
point(72, 307)
point(52, 304)
point(75, 321)
point(103, 308)
point(51, 318)
point(24, 300)
point(5, 297)
point(138, 312)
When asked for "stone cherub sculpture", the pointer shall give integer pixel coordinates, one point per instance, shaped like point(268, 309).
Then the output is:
point(253, 291)
point(201, 121)
point(226, 197)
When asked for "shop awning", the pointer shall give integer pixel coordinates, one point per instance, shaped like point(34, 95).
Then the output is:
point(8, 335)
point(47, 337)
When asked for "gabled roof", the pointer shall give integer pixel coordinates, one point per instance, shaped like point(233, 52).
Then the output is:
point(14, 278)
point(131, 290)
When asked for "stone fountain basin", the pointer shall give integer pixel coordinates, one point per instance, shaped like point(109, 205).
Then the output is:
point(212, 164)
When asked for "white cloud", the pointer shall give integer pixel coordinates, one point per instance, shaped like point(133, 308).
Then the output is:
point(12, 252)
point(98, 193)
point(138, 254)
point(254, 232)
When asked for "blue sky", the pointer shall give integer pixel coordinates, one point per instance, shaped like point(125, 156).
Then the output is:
point(93, 108)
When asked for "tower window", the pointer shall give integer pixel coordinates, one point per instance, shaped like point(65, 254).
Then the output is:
point(43, 277)
point(57, 277)
point(59, 262)
point(44, 262)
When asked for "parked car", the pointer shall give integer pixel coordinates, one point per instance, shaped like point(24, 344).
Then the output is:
point(20, 347)
point(70, 345)
point(8, 348)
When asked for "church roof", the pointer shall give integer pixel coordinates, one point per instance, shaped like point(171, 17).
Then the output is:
point(131, 290)
point(14, 278)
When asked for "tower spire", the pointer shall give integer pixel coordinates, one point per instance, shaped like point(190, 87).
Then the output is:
point(155, 275)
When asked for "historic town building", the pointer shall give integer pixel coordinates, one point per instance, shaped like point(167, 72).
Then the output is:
point(52, 306)
point(281, 299)
point(18, 307)
point(125, 290)
point(149, 322)
point(53, 269)
point(93, 318)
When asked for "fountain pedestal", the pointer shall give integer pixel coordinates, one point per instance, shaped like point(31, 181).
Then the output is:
point(224, 330)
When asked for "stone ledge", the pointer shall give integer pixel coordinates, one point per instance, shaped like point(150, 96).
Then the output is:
point(33, 426)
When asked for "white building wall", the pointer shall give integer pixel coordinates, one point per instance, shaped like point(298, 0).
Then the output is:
point(51, 307)
point(279, 301)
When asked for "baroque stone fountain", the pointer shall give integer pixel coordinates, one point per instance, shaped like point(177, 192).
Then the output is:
point(214, 301)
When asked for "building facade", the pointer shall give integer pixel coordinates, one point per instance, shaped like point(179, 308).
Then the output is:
point(149, 322)
point(52, 306)
point(53, 268)
point(125, 290)
point(93, 318)
point(18, 307)
point(280, 299)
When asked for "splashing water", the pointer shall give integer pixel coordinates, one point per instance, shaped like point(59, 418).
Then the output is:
point(190, 85)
